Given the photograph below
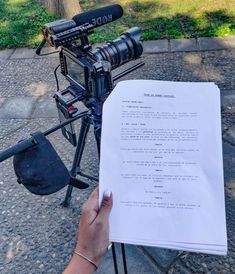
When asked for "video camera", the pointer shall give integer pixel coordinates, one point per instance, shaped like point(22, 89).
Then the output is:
point(37, 165)
point(88, 72)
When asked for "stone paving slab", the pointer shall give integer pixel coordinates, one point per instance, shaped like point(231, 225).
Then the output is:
point(2, 100)
point(180, 268)
point(215, 43)
point(156, 46)
point(22, 53)
point(45, 107)
point(163, 257)
point(183, 45)
point(17, 107)
point(230, 41)
point(137, 262)
point(6, 53)
point(228, 98)
point(229, 137)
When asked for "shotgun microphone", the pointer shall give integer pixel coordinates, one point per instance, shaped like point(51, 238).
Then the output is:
point(99, 17)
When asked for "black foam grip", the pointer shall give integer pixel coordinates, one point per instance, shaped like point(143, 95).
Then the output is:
point(21, 146)
point(99, 17)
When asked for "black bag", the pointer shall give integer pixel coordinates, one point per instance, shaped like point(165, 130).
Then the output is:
point(40, 169)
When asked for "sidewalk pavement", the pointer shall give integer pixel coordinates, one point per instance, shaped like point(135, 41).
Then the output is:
point(155, 46)
point(37, 234)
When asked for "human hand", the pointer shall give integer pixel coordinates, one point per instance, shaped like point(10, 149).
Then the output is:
point(93, 232)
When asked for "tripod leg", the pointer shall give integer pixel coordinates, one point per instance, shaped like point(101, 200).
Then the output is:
point(124, 258)
point(85, 126)
point(114, 259)
point(68, 195)
point(97, 132)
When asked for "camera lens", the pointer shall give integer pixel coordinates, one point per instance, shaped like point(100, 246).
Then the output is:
point(121, 50)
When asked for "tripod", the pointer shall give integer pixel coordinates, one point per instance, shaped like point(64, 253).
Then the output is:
point(86, 121)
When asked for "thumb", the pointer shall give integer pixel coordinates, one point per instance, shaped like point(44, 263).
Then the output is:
point(106, 206)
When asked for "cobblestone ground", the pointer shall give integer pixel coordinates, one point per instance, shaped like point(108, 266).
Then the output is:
point(37, 235)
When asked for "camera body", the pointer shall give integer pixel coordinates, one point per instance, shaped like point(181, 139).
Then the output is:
point(88, 72)
point(90, 82)
point(89, 77)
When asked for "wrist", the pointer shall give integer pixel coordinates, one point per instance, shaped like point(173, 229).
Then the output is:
point(91, 254)
point(79, 265)
point(87, 259)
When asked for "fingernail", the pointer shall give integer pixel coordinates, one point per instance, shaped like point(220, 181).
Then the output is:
point(107, 194)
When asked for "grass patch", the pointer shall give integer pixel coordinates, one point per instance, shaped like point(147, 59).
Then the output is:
point(21, 19)
point(20, 22)
point(160, 19)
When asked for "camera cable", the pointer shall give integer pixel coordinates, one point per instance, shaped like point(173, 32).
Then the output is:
point(56, 78)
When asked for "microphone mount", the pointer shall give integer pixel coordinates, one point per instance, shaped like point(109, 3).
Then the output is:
point(64, 32)
point(69, 36)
